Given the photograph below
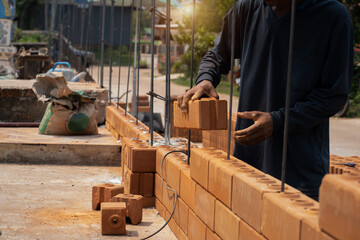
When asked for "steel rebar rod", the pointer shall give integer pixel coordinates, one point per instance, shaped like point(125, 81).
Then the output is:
point(102, 44)
point(130, 47)
point(82, 24)
point(152, 74)
point(167, 95)
point(191, 70)
point(87, 34)
point(288, 91)
point(138, 65)
point(232, 75)
point(120, 55)
point(111, 46)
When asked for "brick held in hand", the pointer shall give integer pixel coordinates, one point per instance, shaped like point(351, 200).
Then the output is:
point(104, 193)
point(203, 114)
point(340, 206)
point(134, 206)
point(113, 218)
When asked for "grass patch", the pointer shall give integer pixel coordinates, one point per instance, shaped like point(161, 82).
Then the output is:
point(223, 87)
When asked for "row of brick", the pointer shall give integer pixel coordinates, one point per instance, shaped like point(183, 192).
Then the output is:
point(204, 114)
point(219, 138)
point(231, 199)
point(340, 165)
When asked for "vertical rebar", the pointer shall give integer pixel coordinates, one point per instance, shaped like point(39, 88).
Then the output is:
point(82, 25)
point(73, 33)
point(87, 34)
point(130, 47)
point(152, 73)
point(134, 102)
point(138, 65)
point(167, 96)
point(232, 75)
point(288, 91)
point(111, 45)
point(102, 43)
point(120, 57)
point(191, 70)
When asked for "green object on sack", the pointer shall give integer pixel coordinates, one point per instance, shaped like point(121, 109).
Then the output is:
point(45, 120)
point(78, 122)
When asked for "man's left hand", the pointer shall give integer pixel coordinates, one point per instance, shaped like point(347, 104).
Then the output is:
point(261, 130)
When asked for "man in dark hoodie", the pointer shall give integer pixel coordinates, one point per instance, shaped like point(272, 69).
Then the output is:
point(321, 77)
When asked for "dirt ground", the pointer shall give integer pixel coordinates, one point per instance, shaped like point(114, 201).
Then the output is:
point(54, 202)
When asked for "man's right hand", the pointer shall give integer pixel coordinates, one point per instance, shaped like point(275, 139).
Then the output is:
point(205, 87)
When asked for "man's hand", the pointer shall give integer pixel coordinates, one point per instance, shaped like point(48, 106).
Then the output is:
point(205, 87)
point(261, 130)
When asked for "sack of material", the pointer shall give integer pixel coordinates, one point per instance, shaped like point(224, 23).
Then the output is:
point(69, 112)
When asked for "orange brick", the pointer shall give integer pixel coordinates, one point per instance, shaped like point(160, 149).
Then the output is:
point(248, 191)
point(281, 209)
point(160, 208)
point(340, 206)
point(248, 233)
point(175, 163)
point(196, 228)
point(134, 206)
point(183, 215)
point(104, 193)
point(113, 218)
point(182, 235)
point(310, 228)
point(160, 153)
point(149, 202)
point(220, 179)
point(138, 183)
point(226, 223)
point(199, 167)
point(205, 206)
point(202, 114)
point(210, 235)
point(172, 224)
point(168, 198)
point(158, 187)
point(187, 188)
point(141, 156)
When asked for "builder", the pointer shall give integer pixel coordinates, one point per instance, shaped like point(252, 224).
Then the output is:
point(321, 77)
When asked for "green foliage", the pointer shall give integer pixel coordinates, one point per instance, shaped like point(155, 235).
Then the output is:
point(20, 36)
point(354, 9)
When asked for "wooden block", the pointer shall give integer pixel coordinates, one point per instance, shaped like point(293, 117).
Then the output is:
point(134, 206)
point(196, 228)
point(187, 188)
point(227, 225)
point(283, 213)
point(340, 206)
point(113, 218)
point(205, 206)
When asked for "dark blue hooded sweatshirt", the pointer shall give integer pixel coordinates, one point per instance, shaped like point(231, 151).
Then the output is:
point(321, 79)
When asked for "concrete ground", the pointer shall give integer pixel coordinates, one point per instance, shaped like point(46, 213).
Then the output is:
point(54, 202)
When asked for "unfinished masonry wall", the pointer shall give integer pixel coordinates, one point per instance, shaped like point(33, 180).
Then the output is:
point(229, 199)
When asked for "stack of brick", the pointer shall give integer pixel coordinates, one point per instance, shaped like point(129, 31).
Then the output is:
point(228, 199)
point(219, 138)
point(138, 161)
point(143, 102)
point(340, 165)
